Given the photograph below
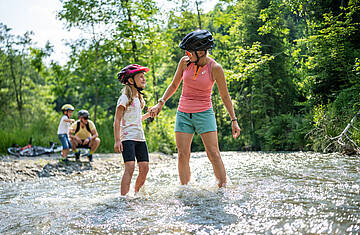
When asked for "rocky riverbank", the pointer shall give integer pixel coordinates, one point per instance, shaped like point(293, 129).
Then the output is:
point(14, 169)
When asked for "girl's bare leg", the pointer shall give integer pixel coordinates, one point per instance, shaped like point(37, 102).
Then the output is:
point(126, 179)
point(143, 170)
point(65, 152)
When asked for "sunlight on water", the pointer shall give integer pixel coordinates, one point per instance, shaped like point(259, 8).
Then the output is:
point(274, 193)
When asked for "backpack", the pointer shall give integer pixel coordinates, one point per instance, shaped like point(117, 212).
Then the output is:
point(78, 127)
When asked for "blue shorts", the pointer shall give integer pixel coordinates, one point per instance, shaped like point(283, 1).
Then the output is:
point(132, 149)
point(65, 141)
point(200, 122)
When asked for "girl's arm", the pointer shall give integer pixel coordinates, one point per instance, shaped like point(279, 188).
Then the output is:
point(145, 116)
point(218, 74)
point(69, 120)
point(119, 114)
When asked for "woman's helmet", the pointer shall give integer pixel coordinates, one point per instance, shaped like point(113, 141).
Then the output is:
point(199, 40)
point(83, 113)
point(67, 107)
point(130, 71)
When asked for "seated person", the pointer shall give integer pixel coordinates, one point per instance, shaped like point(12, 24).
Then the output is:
point(84, 135)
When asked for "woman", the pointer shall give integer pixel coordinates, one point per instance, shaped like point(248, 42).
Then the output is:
point(199, 73)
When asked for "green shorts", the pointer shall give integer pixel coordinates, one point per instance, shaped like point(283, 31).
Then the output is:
point(195, 122)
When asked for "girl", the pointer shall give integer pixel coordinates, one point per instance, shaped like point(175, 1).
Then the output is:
point(128, 130)
point(63, 130)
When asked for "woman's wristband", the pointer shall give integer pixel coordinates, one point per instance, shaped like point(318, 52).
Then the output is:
point(161, 100)
point(233, 120)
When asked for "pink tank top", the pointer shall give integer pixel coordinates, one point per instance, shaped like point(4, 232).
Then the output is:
point(196, 93)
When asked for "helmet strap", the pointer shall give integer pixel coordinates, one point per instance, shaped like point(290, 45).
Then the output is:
point(197, 59)
point(139, 89)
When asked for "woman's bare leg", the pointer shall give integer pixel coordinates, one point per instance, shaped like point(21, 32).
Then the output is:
point(210, 142)
point(183, 144)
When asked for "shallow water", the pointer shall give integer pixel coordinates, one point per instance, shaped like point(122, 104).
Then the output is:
point(267, 193)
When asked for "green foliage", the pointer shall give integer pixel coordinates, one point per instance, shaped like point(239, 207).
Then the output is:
point(106, 134)
point(332, 51)
point(285, 132)
point(292, 69)
point(329, 121)
point(159, 133)
point(249, 63)
point(40, 127)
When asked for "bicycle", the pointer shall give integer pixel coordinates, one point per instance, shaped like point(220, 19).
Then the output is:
point(32, 151)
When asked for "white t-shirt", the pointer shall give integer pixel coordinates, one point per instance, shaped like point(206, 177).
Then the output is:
point(131, 126)
point(63, 126)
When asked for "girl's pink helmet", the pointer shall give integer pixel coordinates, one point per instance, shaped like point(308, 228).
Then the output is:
point(130, 71)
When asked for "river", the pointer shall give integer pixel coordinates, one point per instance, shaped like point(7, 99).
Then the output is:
point(267, 193)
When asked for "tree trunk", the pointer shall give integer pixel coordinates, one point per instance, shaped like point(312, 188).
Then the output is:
point(125, 5)
point(17, 89)
point(95, 74)
point(198, 12)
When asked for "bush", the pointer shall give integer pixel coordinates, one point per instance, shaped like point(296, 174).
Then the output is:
point(286, 133)
point(159, 132)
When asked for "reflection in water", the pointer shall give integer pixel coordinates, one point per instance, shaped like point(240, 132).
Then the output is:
point(271, 193)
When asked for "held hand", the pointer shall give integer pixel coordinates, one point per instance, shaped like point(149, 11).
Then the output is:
point(118, 147)
point(152, 111)
point(155, 110)
point(235, 129)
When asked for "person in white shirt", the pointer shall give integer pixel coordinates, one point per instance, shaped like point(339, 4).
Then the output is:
point(63, 130)
point(128, 130)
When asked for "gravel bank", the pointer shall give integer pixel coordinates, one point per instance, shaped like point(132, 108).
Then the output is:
point(14, 169)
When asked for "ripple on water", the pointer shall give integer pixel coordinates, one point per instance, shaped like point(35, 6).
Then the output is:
point(274, 193)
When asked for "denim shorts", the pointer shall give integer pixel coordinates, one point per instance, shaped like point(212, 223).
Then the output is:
point(65, 141)
point(200, 122)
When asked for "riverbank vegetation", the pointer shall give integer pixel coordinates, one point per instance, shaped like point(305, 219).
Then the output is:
point(292, 68)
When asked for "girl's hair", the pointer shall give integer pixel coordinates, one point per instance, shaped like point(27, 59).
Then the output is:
point(67, 113)
point(128, 92)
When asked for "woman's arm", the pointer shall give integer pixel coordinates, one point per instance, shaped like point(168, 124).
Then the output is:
point(171, 88)
point(219, 76)
point(119, 114)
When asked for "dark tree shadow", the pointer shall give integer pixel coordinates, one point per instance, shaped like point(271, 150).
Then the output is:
point(67, 168)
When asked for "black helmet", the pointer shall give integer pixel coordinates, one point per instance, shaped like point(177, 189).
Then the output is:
point(83, 113)
point(199, 40)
